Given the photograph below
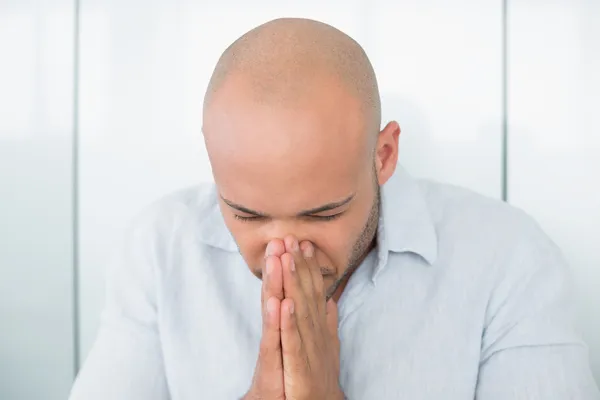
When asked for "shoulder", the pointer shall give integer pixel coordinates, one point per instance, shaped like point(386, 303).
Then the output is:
point(494, 238)
point(463, 214)
point(502, 251)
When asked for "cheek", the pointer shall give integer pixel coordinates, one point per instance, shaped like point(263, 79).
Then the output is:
point(338, 243)
point(333, 248)
point(334, 241)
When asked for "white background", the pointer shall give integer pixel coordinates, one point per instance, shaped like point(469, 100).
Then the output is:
point(36, 192)
point(143, 68)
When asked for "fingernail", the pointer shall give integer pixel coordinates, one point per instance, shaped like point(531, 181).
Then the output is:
point(292, 308)
point(295, 246)
point(308, 250)
point(292, 265)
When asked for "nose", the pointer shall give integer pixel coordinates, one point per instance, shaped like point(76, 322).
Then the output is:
point(275, 234)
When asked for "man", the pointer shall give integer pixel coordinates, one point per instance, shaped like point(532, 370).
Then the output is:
point(372, 285)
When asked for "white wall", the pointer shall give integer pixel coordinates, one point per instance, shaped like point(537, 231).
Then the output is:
point(439, 67)
point(36, 213)
point(554, 142)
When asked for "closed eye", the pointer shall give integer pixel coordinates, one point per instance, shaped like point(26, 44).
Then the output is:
point(324, 217)
point(247, 219)
point(310, 217)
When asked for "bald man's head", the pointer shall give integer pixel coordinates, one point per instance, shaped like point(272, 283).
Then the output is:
point(292, 130)
point(283, 60)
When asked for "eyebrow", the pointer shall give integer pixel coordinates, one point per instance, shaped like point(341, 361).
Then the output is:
point(304, 213)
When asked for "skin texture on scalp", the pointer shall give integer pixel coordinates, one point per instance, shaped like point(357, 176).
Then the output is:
point(291, 122)
point(282, 57)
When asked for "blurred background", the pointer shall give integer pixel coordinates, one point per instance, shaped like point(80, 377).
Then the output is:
point(100, 114)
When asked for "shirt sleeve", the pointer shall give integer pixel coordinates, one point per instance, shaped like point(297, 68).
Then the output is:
point(125, 362)
point(531, 349)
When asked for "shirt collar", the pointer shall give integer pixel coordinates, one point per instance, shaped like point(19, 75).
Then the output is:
point(405, 224)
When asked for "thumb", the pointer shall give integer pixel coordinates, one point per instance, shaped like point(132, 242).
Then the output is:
point(270, 342)
point(268, 374)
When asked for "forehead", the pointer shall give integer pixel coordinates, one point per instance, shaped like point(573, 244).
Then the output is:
point(284, 158)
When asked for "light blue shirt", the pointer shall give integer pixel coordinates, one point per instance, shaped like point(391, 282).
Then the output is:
point(465, 297)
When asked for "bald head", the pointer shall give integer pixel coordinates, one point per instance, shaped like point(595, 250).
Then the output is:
point(292, 130)
point(288, 60)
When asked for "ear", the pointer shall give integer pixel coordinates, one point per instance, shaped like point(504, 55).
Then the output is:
point(386, 152)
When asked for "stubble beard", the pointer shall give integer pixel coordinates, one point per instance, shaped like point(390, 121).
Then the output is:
point(363, 245)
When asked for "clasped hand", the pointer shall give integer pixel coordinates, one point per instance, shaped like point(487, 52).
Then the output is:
point(299, 349)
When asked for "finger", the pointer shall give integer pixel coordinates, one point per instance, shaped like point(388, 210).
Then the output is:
point(275, 247)
point(272, 279)
point(292, 246)
point(305, 316)
point(272, 294)
point(270, 360)
point(294, 356)
point(308, 252)
point(293, 289)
